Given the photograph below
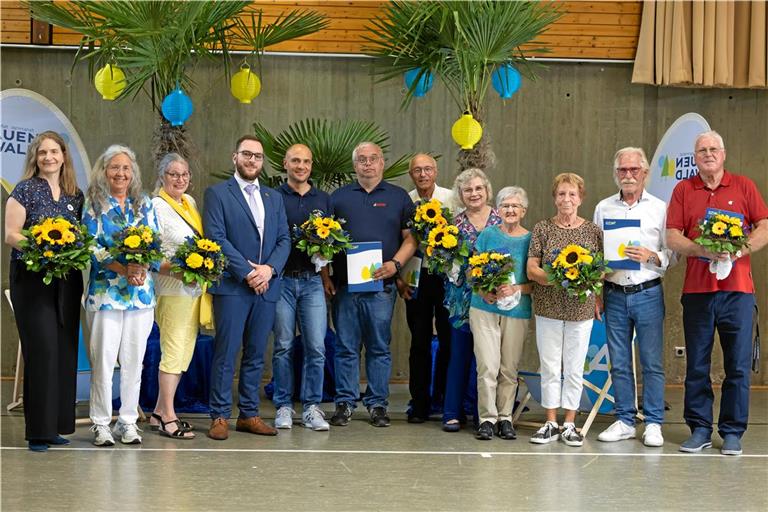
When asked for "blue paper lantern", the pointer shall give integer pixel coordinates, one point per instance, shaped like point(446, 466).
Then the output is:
point(506, 80)
point(177, 107)
point(423, 85)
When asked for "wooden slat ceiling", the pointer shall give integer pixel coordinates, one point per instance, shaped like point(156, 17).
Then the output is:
point(595, 30)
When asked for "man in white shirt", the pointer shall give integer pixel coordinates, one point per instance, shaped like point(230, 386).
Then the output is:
point(634, 299)
point(426, 305)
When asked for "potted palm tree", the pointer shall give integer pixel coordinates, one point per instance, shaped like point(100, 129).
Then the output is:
point(462, 43)
point(157, 43)
point(331, 143)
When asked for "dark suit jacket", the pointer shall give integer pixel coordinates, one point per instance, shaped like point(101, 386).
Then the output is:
point(228, 222)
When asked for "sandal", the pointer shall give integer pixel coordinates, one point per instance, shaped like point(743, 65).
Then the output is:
point(179, 433)
point(186, 426)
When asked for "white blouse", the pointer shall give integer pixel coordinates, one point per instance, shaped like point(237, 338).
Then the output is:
point(173, 232)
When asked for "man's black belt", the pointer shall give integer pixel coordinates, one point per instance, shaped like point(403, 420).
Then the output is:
point(634, 288)
point(299, 274)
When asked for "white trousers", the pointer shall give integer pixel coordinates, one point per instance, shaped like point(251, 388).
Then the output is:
point(117, 336)
point(562, 351)
point(498, 347)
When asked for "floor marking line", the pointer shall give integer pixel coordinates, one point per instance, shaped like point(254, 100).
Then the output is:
point(590, 462)
point(385, 452)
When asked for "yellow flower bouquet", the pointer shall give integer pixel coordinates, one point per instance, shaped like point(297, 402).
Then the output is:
point(199, 260)
point(445, 251)
point(321, 237)
point(56, 246)
point(136, 244)
point(722, 231)
point(429, 214)
point(489, 270)
point(577, 270)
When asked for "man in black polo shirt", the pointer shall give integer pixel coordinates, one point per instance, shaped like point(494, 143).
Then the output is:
point(375, 211)
point(302, 301)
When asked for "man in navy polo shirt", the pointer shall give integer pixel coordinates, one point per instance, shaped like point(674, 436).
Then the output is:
point(302, 301)
point(375, 211)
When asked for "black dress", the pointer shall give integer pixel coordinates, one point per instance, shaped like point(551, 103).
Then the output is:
point(48, 318)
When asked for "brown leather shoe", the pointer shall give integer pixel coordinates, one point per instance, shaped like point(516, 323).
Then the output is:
point(219, 429)
point(255, 425)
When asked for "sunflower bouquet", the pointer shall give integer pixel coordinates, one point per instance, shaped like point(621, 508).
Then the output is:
point(200, 261)
point(429, 214)
point(321, 237)
point(577, 270)
point(722, 231)
point(136, 244)
point(445, 251)
point(489, 270)
point(56, 246)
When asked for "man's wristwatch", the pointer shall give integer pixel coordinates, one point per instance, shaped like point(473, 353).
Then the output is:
point(398, 266)
point(274, 272)
point(652, 259)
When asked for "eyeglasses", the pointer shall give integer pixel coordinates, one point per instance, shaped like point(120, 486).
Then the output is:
point(248, 155)
point(367, 160)
point(706, 151)
point(513, 206)
point(423, 170)
point(176, 176)
point(634, 171)
point(117, 168)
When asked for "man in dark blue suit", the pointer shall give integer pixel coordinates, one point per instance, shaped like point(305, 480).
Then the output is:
point(249, 222)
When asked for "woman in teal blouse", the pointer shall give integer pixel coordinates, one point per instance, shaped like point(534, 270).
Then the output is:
point(499, 331)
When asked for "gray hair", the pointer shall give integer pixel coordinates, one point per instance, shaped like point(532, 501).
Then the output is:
point(629, 150)
point(710, 133)
point(166, 162)
point(465, 177)
point(512, 192)
point(366, 143)
point(98, 189)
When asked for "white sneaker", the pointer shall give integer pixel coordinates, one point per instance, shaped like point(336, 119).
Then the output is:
point(546, 434)
point(127, 432)
point(571, 436)
point(284, 417)
point(619, 431)
point(102, 437)
point(314, 418)
point(652, 436)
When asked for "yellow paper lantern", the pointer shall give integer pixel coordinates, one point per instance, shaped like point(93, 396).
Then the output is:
point(466, 131)
point(110, 82)
point(245, 84)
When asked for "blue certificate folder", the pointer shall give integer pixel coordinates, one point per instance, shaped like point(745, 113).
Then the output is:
point(618, 234)
point(362, 261)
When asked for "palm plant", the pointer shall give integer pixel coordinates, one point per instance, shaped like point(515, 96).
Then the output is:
point(157, 43)
point(462, 43)
point(331, 143)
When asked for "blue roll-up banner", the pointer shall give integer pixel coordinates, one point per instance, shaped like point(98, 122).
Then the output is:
point(25, 114)
point(673, 160)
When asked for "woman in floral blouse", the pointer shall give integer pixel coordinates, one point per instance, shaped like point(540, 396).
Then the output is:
point(473, 189)
point(121, 297)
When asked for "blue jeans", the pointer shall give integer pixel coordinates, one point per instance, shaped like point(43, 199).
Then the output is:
point(461, 374)
point(731, 314)
point(302, 300)
point(363, 320)
point(642, 312)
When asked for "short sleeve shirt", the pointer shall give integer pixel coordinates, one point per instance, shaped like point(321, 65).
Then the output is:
point(547, 241)
point(35, 196)
point(380, 215)
point(298, 208)
point(687, 207)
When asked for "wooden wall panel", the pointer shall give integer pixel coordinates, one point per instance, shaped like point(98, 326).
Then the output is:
point(595, 30)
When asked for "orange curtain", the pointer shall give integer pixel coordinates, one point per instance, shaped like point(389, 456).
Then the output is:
point(703, 43)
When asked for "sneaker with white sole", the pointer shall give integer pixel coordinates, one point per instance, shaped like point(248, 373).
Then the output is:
point(127, 432)
point(284, 417)
point(570, 436)
point(102, 435)
point(652, 436)
point(314, 418)
point(618, 431)
point(546, 434)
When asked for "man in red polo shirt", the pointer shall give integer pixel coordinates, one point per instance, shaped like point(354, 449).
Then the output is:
point(709, 303)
